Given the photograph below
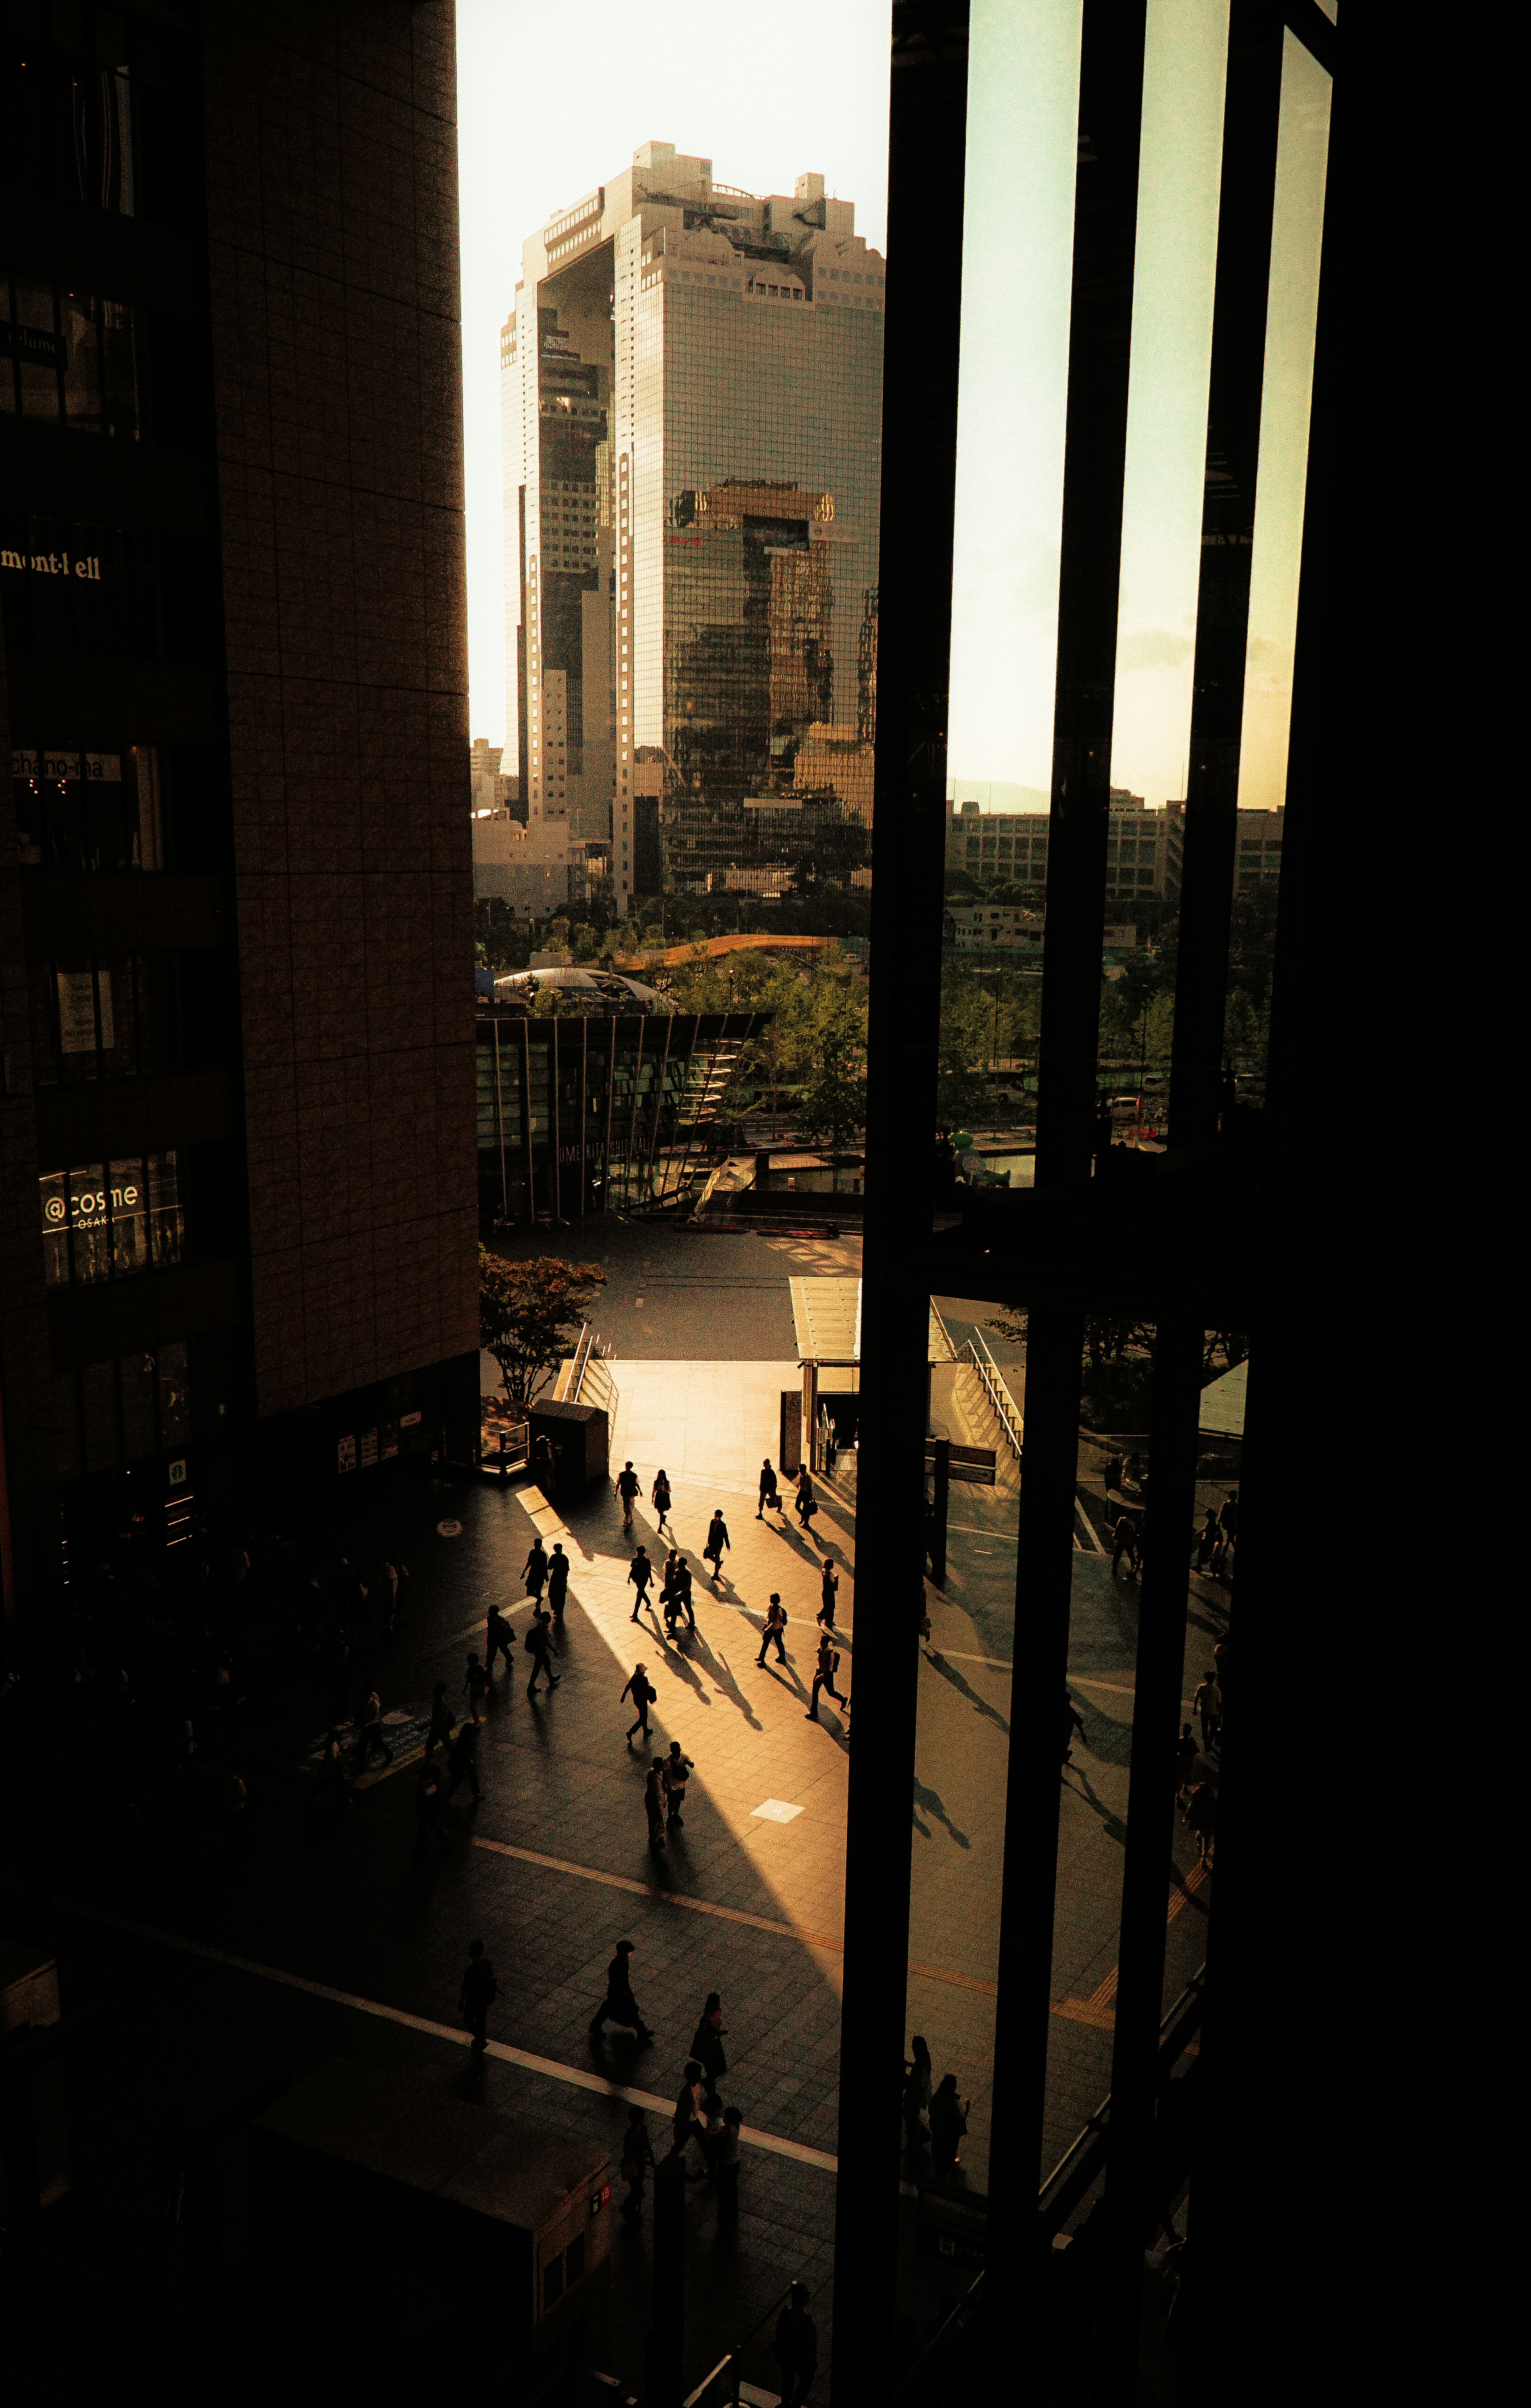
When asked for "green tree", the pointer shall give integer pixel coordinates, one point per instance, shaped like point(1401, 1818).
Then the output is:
point(529, 1314)
point(964, 1047)
point(834, 1090)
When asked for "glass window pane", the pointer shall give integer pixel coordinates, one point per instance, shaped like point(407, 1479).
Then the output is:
point(55, 1229)
point(167, 1227)
point(175, 1404)
point(98, 1399)
point(129, 1218)
point(140, 1429)
point(90, 1231)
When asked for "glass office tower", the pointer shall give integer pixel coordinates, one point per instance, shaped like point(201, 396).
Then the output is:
point(692, 392)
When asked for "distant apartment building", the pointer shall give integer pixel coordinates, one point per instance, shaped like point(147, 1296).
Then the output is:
point(489, 790)
point(691, 394)
point(1012, 928)
point(1144, 847)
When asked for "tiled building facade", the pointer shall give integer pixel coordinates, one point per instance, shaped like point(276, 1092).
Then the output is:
point(236, 911)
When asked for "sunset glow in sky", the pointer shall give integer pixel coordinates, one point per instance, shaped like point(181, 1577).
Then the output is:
point(551, 106)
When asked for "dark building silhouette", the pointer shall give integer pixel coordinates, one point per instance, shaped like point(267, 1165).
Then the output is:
point(236, 1148)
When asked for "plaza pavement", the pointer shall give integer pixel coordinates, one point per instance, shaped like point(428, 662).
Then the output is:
point(357, 1932)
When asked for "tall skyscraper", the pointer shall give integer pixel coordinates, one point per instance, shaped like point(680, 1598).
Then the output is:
point(692, 395)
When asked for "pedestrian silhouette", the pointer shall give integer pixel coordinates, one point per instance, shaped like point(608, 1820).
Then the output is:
point(461, 1764)
point(533, 1572)
point(769, 1496)
point(558, 1580)
point(829, 1582)
point(1072, 1721)
point(660, 1495)
point(678, 1771)
point(776, 1622)
point(619, 2006)
point(642, 1694)
point(538, 1638)
point(717, 1540)
point(479, 1989)
point(823, 1677)
point(654, 1801)
point(641, 1571)
point(797, 2348)
point(638, 2155)
point(627, 1485)
point(499, 1637)
point(947, 2124)
point(707, 2047)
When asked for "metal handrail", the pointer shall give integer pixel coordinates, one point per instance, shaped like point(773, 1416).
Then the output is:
point(734, 2362)
point(998, 1394)
point(567, 1390)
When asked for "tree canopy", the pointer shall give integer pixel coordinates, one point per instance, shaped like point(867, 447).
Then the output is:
point(529, 1317)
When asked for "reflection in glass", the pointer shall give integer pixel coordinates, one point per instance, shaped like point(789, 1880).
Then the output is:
point(140, 1433)
point(175, 1405)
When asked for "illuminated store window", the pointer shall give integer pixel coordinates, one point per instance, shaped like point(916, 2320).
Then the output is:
point(110, 1220)
point(70, 358)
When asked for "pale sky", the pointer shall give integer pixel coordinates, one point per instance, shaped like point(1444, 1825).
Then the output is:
point(550, 105)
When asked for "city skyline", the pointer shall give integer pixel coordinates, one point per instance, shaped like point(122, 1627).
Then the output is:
point(1020, 173)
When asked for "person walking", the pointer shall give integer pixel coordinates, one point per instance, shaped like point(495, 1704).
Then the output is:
point(829, 1582)
point(476, 1681)
point(462, 1763)
point(1126, 1535)
point(659, 1495)
point(717, 1540)
point(619, 2006)
point(558, 1580)
point(768, 1494)
point(369, 1723)
point(687, 2123)
point(678, 1771)
point(628, 1489)
point(1072, 1721)
point(823, 1677)
point(335, 1782)
point(654, 1801)
point(638, 2155)
point(641, 1571)
point(439, 1734)
point(667, 1604)
point(797, 2348)
point(1209, 1539)
point(947, 2124)
point(431, 1803)
point(642, 1694)
point(538, 1638)
point(1186, 1753)
point(1199, 1814)
point(500, 1637)
point(1207, 1702)
point(919, 2077)
point(477, 1994)
point(775, 1624)
point(1111, 1477)
point(533, 1572)
point(682, 1591)
point(726, 2165)
point(805, 1504)
point(1227, 1520)
point(707, 2047)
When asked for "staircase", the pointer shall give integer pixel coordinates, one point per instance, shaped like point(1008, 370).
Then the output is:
point(586, 1378)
